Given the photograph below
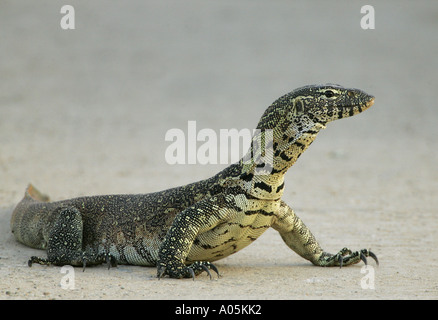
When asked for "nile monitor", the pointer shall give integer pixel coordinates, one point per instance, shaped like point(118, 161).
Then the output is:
point(182, 230)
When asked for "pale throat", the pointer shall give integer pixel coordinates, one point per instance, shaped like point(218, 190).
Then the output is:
point(280, 154)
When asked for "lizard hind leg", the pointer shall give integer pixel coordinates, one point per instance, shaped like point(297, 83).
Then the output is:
point(64, 245)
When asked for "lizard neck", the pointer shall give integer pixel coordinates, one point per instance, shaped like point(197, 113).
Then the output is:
point(272, 153)
point(289, 145)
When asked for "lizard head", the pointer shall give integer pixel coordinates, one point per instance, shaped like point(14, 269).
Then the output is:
point(325, 103)
point(317, 104)
point(293, 121)
point(331, 102)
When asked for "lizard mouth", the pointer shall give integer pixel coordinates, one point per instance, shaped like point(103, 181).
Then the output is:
point(368, 104)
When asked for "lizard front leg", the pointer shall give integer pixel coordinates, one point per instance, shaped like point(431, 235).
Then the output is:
point(178, 241)
point(301, 240)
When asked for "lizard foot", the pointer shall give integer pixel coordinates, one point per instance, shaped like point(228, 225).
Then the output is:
point(110, 261)
point(76, 260)
point(106, 258)
point(38, 260)
point(346, 257)
point(174, 270)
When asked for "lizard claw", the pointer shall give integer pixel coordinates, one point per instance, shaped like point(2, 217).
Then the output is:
point(200, 266)
point(213, 267)
point(192, 273)
point(181, 271)
point(110, 261)
point(346, 257)
point(372, 255)
point(363, 258)
point(341, 254)
point(206, 270)
point(160, 272)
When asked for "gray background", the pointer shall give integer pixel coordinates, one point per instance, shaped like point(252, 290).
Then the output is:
point(85, 112)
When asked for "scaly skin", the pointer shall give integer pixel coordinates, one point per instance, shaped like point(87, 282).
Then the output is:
point(182, 230)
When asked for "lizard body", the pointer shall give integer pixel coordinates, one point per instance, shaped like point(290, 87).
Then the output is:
point(183, 229)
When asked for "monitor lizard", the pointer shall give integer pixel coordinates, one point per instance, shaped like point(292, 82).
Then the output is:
point(182, 230)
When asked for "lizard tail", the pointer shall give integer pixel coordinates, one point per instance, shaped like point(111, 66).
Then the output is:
point(26, 217)
point(33, 193)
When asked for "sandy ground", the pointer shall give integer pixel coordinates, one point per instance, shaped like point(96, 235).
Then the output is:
point(85, 112)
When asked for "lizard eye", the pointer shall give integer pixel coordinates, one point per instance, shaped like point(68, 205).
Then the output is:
point(329, 93)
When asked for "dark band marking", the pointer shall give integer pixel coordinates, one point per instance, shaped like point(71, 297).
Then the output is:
point(285, 157)
point(300, 145)
point(279, 188)
point(246, 176)
point(263, 186)
point(262, 212)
